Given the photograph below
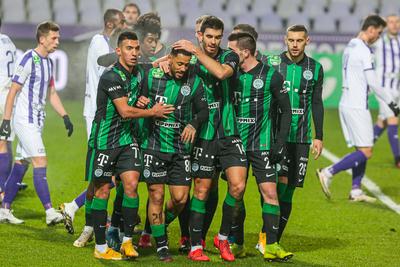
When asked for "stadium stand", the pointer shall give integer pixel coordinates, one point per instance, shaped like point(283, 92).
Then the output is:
point(269, 15)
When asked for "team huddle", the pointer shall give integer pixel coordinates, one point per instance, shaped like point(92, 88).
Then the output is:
point(180, 116)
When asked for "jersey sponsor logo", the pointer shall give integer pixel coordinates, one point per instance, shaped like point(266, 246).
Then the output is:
point(157, 73)
point(237, 96)
point(195, 167)
point(308, 75)
point(197, 152)
point(286, 85)
point(161, 99)
point(107, 174)
point(158, 174)
point(102, 159)
point(297, 111)
point(246, 120)
point(174, 125)
point(303, 159)
point(146, 173)
point(114, 88)
point(98, 172)
point(213, 105)
point(275, 60)
point(258, 83)
point(185, 90)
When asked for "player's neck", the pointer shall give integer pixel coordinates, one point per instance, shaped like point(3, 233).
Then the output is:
point(123, 64)
point(363, 36)
point(107, 32)
point(295, 59)
point(392, 35)
point(249, 64)
point(41, 51)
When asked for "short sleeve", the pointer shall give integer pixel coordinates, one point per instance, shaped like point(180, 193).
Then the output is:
point(367, 60)
point(112, 87)
point(23, 69)
point(231, 59)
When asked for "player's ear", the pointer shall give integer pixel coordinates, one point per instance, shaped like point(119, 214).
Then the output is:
point(118, 51)
point(307, 40)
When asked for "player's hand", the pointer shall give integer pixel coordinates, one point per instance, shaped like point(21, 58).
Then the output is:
point(5, 129)
point(395, 108)
point(164, 66)
point(185, 45)
point(161, 110)
point(277, 152)
point(188, 134)
point(317, 147)
point(68, 125)
point(142, 102)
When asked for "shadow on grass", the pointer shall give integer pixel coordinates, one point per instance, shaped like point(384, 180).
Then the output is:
point(301, 243)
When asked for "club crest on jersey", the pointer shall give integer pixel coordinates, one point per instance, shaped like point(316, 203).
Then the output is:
point(258, 83)
point(193, 59)
point(98, 172)
point(195, 167)
point(308, 75)
point(275, 60)
point(157, 73)
point(36, 59)
point(185, 90)
point(146, 173)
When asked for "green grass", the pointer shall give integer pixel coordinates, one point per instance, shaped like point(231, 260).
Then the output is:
point(320, 232)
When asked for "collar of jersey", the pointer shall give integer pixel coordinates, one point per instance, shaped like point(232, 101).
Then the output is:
point(122, 68)
point(289, 62)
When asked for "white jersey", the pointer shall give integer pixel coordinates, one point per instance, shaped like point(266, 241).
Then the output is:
point(357, 60)
point(387, 54)
point(35, 74)
point(7, 61)
point(98, 46)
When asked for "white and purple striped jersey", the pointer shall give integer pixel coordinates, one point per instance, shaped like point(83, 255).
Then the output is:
point(387, 54)
point(99, 46)
point(7, 61)
point(35, 74)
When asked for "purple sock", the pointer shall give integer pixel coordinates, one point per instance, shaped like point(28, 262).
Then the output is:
point(4, 169)
point(11, 185)
point(80, 200)
point(10, 154)
point(393, 136)
point(41, 186)
point(358, 174)
point(349, 161)
point(378, 130)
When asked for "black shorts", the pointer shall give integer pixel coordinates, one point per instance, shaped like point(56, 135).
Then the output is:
point(262, 170)
point(206, 155)
point(101, 165)
point(166, 168)
point(294, 165)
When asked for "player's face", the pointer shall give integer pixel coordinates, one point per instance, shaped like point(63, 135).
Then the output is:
point(51, 41)
point(149, 44)
point(131, 14)
point(393, 24)
point(296, 43)
point(119, 22)
point(197, 33)
point(242, 53)
point(128, 52)
point(374, 34)
point(211, 40)
point(179, 65)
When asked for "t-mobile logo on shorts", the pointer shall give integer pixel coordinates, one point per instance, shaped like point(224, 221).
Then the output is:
point(102, 159)
point(148, 159)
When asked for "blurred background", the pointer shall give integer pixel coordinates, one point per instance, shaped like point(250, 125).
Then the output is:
point(332, 24)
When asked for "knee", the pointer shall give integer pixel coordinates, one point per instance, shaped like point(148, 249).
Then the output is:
point(237, 189)
point(156, 197)
point(179, 200)
point(201, 192)
point(271, 196)
point(367, 152)
point(102, 191)
point(39, 162)
point(130, 189)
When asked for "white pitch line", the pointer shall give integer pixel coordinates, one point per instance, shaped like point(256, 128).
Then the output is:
point(368, 183)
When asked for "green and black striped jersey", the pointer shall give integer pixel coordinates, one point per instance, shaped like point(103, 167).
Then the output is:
point(254, 96)
point(219, 94)
point(303, 81)
point(109, 129)
point(187, 95)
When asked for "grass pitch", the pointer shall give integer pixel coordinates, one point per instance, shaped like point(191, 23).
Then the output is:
point(320, 232)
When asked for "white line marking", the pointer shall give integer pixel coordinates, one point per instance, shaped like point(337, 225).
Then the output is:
point(368, 183)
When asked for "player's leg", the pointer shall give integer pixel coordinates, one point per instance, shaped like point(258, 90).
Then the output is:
point(145, 237)
point(211, 206)
point(69, 209)
point(115, 231)
point(358, 132)
point(87, 233)
point(234, 163)
point(184, 216)
point(203, 168)
point(393, 136)
point(174, 206)
point(5, 161)
point(381, 122)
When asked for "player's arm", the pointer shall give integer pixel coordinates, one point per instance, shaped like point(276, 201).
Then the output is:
point(220, 71)
point(5, 128)
point(114, 89)
point(317, 107)
point(57, 105)
point(280, 94)
point(107, 59)
point(200, 115)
